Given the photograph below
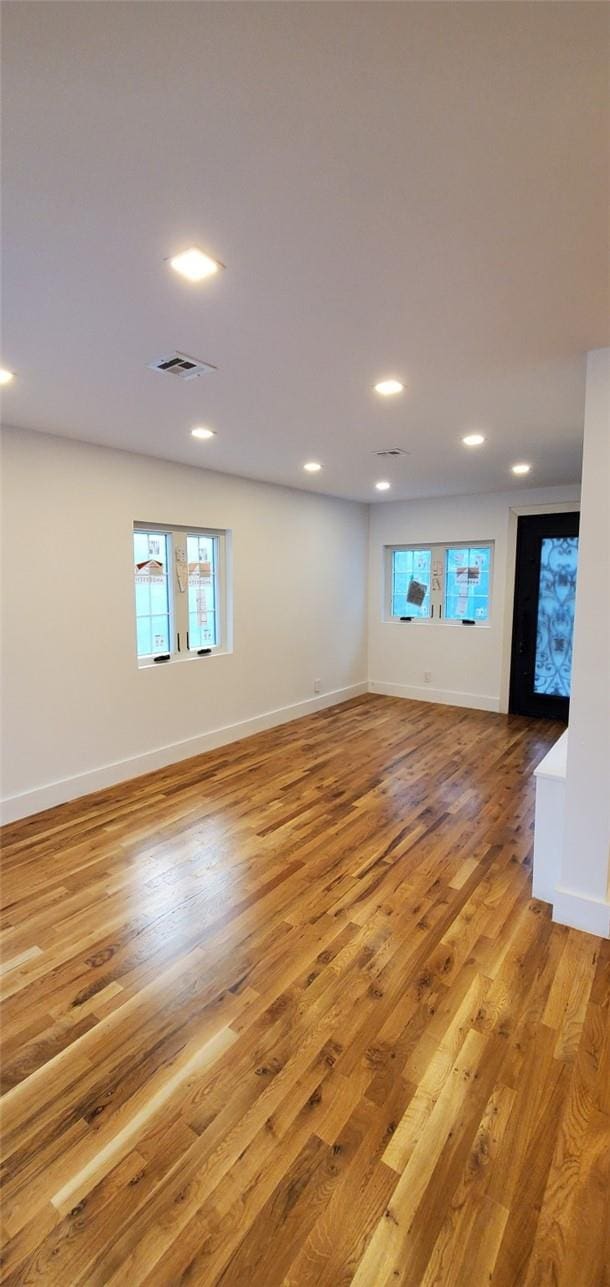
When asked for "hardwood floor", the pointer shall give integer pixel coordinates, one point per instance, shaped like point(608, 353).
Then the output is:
point(287, 1014)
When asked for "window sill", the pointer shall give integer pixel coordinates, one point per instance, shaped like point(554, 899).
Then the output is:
point(434, 621)
point(177, 659)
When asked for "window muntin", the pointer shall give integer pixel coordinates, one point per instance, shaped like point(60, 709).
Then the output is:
point(453, 582)
point(180, 591)
point(151, 551)
point(467, 582)
point(411, 578)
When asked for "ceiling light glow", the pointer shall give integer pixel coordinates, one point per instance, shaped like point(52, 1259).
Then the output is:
point(387, 387)
point(521, 468)
point(202, 432)
point(6, 376)
point(473, 439)
point(194, 264)
point(382, 486)
point(312, 467)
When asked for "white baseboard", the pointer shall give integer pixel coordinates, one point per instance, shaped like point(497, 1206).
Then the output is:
point(46, 797)
point(445, 696)
point(579, 912)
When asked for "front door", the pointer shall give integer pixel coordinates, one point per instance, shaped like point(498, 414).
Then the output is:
point(543, 619)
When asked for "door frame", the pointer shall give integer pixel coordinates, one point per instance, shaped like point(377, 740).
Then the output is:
point(515, 513)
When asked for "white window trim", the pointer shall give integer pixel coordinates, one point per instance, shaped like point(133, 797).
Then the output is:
point(437, 549)
point(178, 599)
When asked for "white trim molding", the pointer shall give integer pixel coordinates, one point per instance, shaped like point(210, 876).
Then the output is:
point(580, 912)
point(550, 776)
point(445, 696)
point(53, 793)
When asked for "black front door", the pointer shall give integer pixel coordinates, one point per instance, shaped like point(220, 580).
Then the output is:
point(543, 619)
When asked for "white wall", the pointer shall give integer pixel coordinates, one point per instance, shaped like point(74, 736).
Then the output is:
point(582, 898)
point(77, 711)
point(469, 665)
point(78, 714)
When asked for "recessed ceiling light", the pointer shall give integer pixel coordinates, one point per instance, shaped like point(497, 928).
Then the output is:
point(521, 469)
point(473, 439)
point(312, 467)
point(387, 387)
point(6, 376)
point(382, 486)
point(194, 265)
point(202, 432)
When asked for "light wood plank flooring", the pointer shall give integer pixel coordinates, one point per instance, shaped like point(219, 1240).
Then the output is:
point(286, 1013)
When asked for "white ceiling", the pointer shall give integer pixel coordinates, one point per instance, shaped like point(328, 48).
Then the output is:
point(396, 189)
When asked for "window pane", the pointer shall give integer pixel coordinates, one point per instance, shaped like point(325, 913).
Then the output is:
point(158, 595)
point(201, 556)
point(202, 635)
point(411, 583)
point(151, 572)
point(140, 546)
point(160, 634)
point(144, 636)
point(142, 597)
point(558, 561)
point(467, 583)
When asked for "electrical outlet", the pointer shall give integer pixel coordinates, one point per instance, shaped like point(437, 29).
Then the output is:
point(427, 677)
point(317, 685)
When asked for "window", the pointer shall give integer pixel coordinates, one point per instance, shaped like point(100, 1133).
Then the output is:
point(202, 611)
point(179, 591)
point(411, 583)
point(467, 583)
point(153, 618)
point(439, 582)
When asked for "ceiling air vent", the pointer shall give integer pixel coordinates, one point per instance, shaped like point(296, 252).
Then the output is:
point(391, 451)
point(186, 368)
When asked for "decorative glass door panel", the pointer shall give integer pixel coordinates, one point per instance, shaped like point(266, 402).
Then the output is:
point(555, 626)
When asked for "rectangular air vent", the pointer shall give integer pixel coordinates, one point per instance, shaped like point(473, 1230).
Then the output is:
point(186, 368)
point(391, 451)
